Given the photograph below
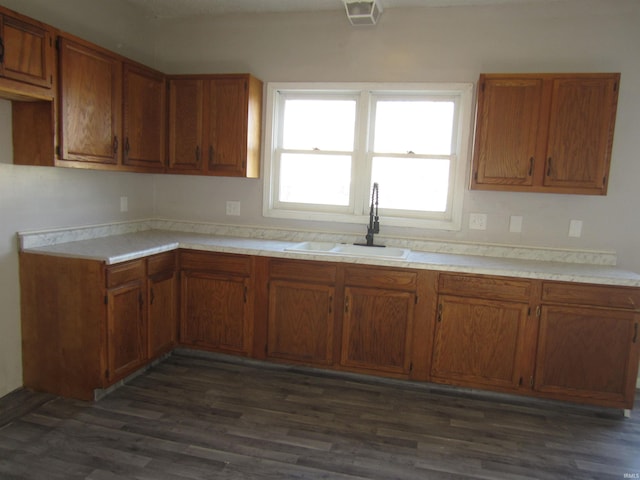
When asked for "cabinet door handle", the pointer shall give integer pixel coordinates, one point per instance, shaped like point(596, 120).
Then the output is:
point(152, 297)
point(330, 303)
point(126, 146)
point(635, 332)
point(1, 50)
point(346, 304)
point(549, 166)
point(115, 145)
point(531, 160)
point(440, 313)
point(245, 294)
point(140, 300)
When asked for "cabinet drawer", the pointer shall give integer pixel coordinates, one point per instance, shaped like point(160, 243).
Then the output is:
point(218, 262)
point(163, 262)
point(597, 295)
point(303, 270)
point(124, 272)
point(498, 288)
point(381, 277)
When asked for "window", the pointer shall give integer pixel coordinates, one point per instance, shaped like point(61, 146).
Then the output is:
point(326, 144)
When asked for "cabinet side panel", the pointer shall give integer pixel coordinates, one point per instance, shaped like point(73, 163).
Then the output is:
point(63, 324)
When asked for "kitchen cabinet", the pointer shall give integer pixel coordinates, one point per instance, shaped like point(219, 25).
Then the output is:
point(26, 56)
point(86, 325)
point(162, 298)
point(126, 319)
point(480, 331)
point(378, 319)
point(545, 132)
point(215, 124)
point(302, 311)
point(217, 294)
point(90, 100)
point(588, 346)
point(144, 114)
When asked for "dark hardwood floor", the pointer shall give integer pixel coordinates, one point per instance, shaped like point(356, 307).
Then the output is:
point(196, 418)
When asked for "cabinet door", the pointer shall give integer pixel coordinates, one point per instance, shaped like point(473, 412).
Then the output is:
point(226, 113)
point(478, 342)
point(162, 295)
point(90, 96)
point(581, 132)
point(507, 131)
point(126, 326)
point(301, 321)
point(144, 117)
point(27, 51)
point(186, 104)
point(377, 329)
point(214, 311)
point(588, 354)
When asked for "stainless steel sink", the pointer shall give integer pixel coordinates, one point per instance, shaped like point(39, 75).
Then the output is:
point(350, 250)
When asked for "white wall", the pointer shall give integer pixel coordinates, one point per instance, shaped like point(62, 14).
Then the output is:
point(432, 44)
point(33, 198)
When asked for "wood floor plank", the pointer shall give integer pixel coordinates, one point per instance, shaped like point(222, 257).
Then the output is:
point(193, 417)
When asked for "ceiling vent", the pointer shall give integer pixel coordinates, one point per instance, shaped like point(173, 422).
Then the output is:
point(363, 12)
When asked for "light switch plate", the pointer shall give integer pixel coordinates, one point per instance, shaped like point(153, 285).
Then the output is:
point(124, 204)
point(233, 207)
point(575, 228)
point(515, 224)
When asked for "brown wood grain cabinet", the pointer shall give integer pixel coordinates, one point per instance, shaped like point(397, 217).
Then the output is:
point(217, 298)
point(480, 331)
point(545, 132)
point(27, 56)
point(302, 311)
point(588, 347)
point(378, 319)
point(215, 124)
point(86, 325)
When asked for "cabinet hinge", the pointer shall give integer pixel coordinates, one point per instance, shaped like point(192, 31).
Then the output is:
point(475, 176)
point(106, 299)
point(58, 43)
point(411, 367)
point(531, 381)
point(604, 180)
point(58, 150)
point(528, 315)
point(615, 86)
point(416, 300)
point(520, 381)
point(106, 373)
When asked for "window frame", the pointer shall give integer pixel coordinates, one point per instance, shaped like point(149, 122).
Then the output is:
point(358, 210)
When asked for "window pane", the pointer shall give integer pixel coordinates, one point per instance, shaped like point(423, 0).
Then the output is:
point(319, 124)
point(423, 127)
point(412, 183)
point(315, 179)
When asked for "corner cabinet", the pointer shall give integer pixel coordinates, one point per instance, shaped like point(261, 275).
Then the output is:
point(215, 125)
point(217, 302)
point(545, 132)
point(86, 325)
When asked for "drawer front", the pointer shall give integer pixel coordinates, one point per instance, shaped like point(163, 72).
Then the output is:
point(163, 262)
point(218, 262)
point(596, 295)
point(498, 288)
point(381, 277)
point(124, 273)
point(303, 270)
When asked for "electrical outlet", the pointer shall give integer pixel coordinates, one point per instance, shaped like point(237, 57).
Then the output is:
point(233, 207)
point(477, 221)
point(124, 204)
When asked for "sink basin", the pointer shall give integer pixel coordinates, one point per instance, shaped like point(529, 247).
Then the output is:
point(350, 250)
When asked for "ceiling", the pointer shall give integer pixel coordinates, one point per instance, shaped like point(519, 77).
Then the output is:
point(187, 8)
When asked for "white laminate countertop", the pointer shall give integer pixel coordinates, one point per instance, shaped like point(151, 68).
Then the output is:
point(129, 246)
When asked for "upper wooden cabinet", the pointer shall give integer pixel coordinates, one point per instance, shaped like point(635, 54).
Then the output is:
point(545, 132)
point(144, 116)
point(89, 104)
point(111, 111)
point(215, 125)
point(26, 55)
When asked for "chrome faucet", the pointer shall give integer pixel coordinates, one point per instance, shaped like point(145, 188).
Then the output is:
point(374, 219)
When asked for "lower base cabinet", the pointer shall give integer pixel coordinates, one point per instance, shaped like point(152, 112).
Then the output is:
point(216, 302)
point(86, 325)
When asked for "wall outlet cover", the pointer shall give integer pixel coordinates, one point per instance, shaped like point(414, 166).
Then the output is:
point(477, 221)
point(233, 207)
